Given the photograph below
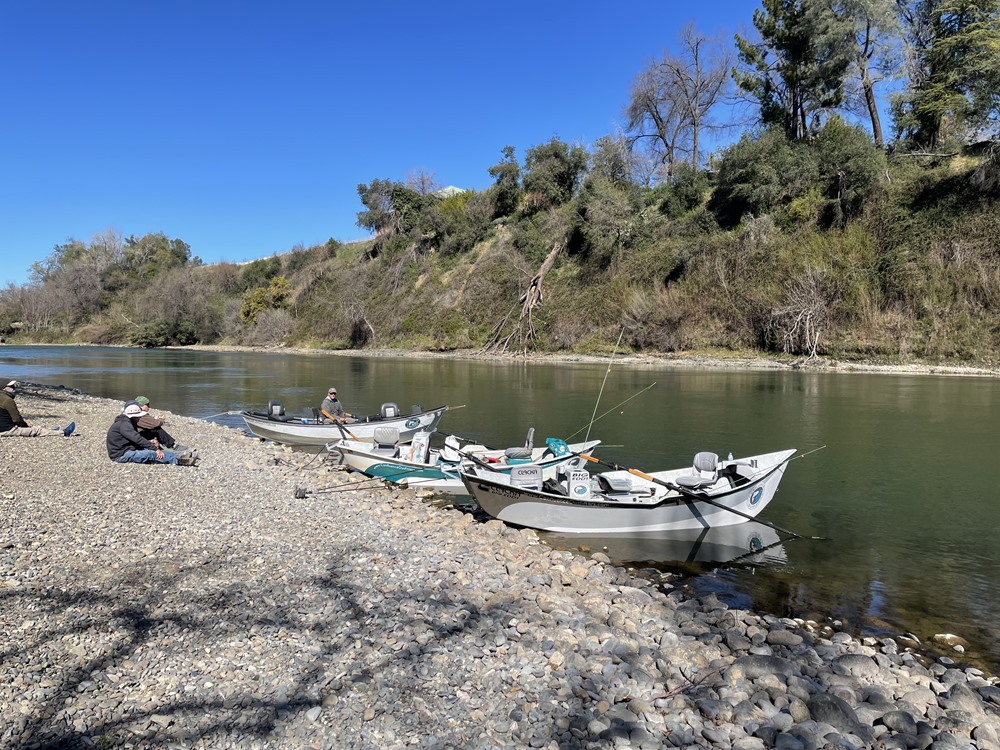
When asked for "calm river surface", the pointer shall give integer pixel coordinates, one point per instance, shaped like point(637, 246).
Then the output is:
point(904, 490)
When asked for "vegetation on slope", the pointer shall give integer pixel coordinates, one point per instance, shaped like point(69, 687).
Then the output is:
point(807, 236)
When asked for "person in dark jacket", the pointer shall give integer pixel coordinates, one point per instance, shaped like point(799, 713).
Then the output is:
point(125, 444)
point(12, 424)
point(150, 426)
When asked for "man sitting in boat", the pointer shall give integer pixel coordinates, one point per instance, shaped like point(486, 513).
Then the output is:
point(333, 410)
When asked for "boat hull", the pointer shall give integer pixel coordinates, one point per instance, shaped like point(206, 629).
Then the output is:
point(442, 476)
point(294, 431)
point(651, 508)
point(750, 543)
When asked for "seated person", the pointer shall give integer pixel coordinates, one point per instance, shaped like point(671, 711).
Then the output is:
point(126, 445)
point(150, 426)
point(12, 424)
point(333, 409)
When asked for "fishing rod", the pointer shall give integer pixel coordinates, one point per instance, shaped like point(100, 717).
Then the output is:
point(592, 421)
point(603, 383)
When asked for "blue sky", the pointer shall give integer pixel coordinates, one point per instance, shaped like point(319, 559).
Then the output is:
point(244, 128)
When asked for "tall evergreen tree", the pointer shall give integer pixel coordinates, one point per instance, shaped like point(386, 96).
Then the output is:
point(955, 69)
point(796, 71)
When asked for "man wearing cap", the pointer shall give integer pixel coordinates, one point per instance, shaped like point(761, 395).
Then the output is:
point(333, 409)
point(12, 424)
point(126, 446)
point(150, 426)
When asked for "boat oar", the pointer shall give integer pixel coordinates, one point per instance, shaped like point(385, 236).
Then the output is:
point(339, 424)
point(696, 496)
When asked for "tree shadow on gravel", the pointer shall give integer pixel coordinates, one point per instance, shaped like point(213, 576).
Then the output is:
point(169, 654)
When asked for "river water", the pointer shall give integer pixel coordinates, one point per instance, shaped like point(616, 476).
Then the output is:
point(903, 492)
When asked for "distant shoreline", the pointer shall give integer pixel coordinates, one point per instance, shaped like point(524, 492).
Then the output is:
point(689, 360)
point(693, 360)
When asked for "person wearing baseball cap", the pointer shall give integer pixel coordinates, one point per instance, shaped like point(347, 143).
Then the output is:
point(12, 424)
point(333, 409)
point(126, 446)
point(150, 426)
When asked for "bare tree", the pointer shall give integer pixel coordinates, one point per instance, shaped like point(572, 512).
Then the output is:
point(520, 334)
point(672, 100)
point(805, 312)
point(107, 248)
point(420, 181)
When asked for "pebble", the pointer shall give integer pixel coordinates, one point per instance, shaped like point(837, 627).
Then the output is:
point(263, 600)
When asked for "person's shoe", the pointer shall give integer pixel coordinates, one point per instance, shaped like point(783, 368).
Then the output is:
point(69, 429)
point(187, 461)
point(178, 448)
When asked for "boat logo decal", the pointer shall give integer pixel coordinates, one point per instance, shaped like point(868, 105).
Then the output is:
point(756, 496)
point(411, 423)
point(581, 490)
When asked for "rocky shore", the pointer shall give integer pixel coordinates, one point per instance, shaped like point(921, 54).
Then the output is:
point(266, 600)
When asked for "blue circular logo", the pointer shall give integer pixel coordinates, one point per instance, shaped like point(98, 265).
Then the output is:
point(581, 490)
point(756, 496)
point(411, 423)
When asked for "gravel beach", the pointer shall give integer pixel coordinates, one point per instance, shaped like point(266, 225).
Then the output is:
point(243, 604)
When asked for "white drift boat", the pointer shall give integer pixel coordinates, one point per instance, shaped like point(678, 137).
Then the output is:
point(313, 430)
point(419, 466)
point(712, 493)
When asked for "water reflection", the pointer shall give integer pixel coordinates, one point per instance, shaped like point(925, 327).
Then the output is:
point(745, 544)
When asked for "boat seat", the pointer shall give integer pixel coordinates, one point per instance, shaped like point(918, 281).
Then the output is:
point(614, 485)
point(386, 441)
point(518, 453)
point(389, 410)
point(450, 453)
point(276, 412)
point(706, 472)
point(522, 453)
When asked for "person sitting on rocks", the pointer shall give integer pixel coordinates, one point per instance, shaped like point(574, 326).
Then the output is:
point(150, 426)
point(12, 424)
point(334, 409)
point(125, 444)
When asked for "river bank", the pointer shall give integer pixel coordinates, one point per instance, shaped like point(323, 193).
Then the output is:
point(264, 599)
point(707, 360)
point(727, 361)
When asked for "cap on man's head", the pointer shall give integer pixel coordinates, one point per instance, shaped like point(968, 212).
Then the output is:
point(142, 400)
point(11, 384)
point(133, 410)
point(332, 390)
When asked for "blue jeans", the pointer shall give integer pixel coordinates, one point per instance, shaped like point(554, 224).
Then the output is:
point(145, 456)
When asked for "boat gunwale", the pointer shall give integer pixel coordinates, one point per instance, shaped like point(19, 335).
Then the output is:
point(667, 499)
